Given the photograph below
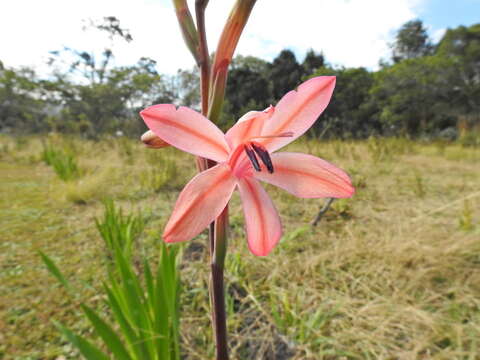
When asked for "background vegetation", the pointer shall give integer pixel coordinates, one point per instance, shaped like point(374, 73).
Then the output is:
point(424, 90)
point(391, 273)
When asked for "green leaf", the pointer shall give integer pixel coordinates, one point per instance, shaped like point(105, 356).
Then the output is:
point(86, 348)
point(122, 315)
point(147, 273)
point(167, 293)
point(54, 270)
point(110, 338)
point(135, 299)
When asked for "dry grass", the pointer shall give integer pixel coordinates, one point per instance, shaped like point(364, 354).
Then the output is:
point(393, 273)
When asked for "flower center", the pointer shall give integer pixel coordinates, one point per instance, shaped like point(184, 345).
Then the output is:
point(255, 150)
point(252, 148)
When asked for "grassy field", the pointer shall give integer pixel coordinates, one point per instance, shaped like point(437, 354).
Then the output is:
point(393, 273)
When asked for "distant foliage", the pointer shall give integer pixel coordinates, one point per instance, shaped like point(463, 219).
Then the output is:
point(248, 88)
point(414, 96)
point(350, 113)
point(285, 73)
point(22, 106)
point(426, 90)
point(461, 46)
point(254, 84)
point(411, 42)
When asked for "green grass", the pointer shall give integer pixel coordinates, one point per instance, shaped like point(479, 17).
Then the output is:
point(63, 162)
point(393, 273)
point(119, 231)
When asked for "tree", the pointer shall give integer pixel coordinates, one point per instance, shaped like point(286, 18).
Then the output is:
point(411, 42)
point(462, 47)
point(85, 63)
point(413, 96)
point(248, 87)
point(348, 114)
point(97, 97)
point(285, 73)
point(92, 109)
point(21, 104)
point(250, 62)
point(188, 86)
point(312, 62)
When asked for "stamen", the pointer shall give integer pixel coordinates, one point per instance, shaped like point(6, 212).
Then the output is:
point(264, 155)
point(284, 134)
point(252, 157)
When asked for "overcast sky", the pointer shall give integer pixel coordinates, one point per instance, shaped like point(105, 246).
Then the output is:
point(349, 32)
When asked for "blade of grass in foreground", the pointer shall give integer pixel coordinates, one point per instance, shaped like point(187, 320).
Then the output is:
point(143, 307)
point(54, 270)
point(107, 334)
point(86, 348)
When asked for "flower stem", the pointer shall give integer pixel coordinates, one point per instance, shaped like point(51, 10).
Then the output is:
point(204, 59)
point(217, 292)
point(218, 229)
point(218, 78)
point(212, 91)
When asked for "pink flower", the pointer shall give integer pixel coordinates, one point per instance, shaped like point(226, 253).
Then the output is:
point(245, 155)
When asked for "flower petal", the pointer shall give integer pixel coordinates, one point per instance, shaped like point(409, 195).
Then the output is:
point(248, 126)
point(187, 130)
point(264, 228)
point(307, 176)
point(297, 111)
point(199, 203)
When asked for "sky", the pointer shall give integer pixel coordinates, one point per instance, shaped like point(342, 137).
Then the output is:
point(351, 33)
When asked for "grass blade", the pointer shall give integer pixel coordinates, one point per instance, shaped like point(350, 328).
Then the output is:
point(135, 299)
point(122, 317)
point(54, 270)
point(109, 336)
point(86, 348)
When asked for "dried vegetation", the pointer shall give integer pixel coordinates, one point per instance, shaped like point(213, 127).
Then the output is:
point(393, 273)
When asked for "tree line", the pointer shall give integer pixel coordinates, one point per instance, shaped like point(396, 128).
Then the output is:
point(424, 89)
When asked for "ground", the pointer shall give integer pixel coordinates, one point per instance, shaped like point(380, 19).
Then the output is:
point(393, 273)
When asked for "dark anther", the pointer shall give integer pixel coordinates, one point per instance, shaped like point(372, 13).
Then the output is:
point(264, 155)
point(252, 157)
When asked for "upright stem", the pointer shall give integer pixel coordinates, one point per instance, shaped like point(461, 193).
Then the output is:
point(212, 87)
point(218, 78)
point(217, 291)
point(204, 60)
point(217, 233)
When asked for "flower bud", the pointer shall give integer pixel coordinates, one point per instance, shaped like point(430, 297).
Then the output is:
point(153, 141)
point(187, 26)
point(223, 56)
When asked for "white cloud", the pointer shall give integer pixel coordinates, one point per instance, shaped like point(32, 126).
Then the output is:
point(438, 35)
point(349, 32)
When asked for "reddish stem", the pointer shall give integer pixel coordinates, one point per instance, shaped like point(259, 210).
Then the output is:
point(219, 316)
point(217, 229)
point(204, 60)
